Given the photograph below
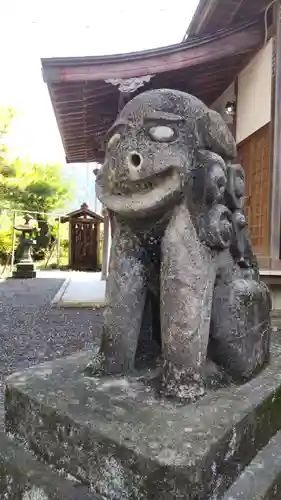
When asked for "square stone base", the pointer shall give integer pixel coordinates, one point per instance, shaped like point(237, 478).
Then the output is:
point(261, 480)
point(119, 437)
point(22, 477)
point(25, 271)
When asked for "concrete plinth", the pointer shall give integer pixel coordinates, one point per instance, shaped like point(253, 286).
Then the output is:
point(118, 436)
point(261, 480)
point(22, 477)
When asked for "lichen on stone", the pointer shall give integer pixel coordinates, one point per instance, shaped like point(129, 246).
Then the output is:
point(35, 494)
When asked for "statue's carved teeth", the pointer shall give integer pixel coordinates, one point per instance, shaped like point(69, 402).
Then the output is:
point(136, 187)
point(141, 186)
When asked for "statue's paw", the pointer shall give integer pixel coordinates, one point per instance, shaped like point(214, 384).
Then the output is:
point(96, 367)
point(183, 393)
point(183, 386)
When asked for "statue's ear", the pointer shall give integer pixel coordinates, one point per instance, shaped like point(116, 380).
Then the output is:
point(215, 135)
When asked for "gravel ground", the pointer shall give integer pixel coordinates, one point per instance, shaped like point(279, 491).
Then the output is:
point(32, 332)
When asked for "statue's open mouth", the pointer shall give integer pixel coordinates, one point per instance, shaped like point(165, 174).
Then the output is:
point(137, 197)
point(142, 186)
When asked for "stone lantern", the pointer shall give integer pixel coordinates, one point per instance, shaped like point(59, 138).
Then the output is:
point(26, 268)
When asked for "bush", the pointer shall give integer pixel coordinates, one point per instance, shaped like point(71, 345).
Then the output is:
point(64, 244)
point(5, 245)
point(5, 236)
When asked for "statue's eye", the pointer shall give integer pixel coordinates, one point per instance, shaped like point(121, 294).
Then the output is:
point(162, 133)
point(114, 140)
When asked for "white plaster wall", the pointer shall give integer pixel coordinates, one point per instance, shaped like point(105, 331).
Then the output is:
point(276, 299)
point(219, 104)
point(254, 94)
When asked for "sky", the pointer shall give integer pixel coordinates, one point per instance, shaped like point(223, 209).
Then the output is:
point(31, 29)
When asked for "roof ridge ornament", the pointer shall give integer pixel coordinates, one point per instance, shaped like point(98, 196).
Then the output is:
point(130, 84)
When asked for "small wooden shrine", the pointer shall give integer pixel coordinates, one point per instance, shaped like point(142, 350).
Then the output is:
point(84, 239)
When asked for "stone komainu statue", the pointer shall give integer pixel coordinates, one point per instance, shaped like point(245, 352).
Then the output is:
point(180, 237)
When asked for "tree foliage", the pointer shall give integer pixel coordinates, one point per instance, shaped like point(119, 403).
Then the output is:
point(29, 186)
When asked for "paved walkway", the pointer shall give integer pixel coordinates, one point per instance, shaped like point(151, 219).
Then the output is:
point(81, 290)
point(32, 331)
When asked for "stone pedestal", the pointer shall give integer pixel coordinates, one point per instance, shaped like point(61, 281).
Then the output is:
point(261, 480)
point(117, 436)
point(22, 477)
point(25, 270)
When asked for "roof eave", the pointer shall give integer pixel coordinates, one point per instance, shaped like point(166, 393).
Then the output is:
point(90, 75)
point(125, 66)
point(201, 16)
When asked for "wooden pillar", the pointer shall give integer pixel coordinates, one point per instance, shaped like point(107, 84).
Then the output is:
point(69, 243)
point(234, 128)
point(275, 225)
point(13, 243)
point(58, 244)
point(106, 245)
point(97, 229)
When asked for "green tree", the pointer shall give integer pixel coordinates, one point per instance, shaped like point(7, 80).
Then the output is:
point(6, 169)
point(6, 117)
point(38, 187)
point(26, 185)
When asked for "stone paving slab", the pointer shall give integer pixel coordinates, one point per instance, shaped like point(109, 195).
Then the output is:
point(81, 290)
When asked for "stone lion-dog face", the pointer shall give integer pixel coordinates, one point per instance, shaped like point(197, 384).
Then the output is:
point(152, 148)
